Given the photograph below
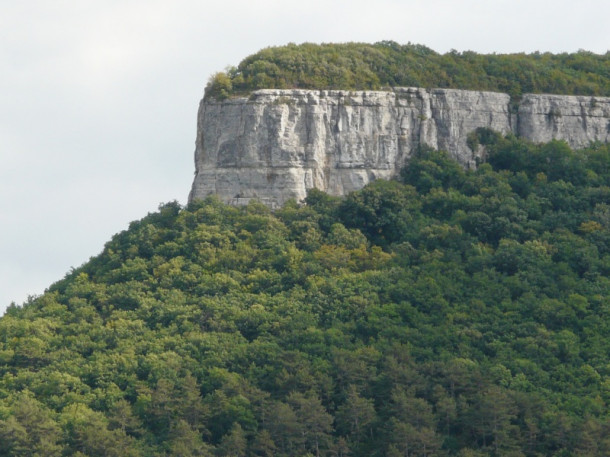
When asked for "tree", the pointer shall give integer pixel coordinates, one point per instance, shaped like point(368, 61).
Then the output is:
point(493, 415)
point(219, 86)
point(412, 427)
point(315, 421)
point(286, 430)
point(233, 444)
point(381, 211)
point(121, 416)
point(89, 433)
point(30, 430)
point(263, 445)
point(186, 442)
point(356, 416)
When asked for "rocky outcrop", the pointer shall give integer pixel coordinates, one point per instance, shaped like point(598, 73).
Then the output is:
point(576, 119)
point(277, 144)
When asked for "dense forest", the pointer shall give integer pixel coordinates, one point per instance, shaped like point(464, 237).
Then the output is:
point(449, 312)
point(360, 66)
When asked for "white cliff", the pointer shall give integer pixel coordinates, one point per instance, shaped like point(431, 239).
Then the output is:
point(579, 120)
point(277, 144)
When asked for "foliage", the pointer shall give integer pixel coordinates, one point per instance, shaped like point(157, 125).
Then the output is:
point(360, 66)
point(447, 313)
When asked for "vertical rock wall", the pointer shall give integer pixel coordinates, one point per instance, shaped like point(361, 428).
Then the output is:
point(277, 144)
point(577, 119)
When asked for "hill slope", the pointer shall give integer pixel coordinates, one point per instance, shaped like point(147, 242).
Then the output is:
point(449, 313)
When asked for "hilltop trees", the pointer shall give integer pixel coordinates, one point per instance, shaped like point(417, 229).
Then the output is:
point(360, 66)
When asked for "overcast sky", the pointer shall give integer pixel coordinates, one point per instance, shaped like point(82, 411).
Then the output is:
point(98, 99)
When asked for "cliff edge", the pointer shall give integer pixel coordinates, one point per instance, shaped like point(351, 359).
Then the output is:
point(277, 144)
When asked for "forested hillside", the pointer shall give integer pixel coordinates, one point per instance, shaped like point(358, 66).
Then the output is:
point(360, 66)
point(447, 313)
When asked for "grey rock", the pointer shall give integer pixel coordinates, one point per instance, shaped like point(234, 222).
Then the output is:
point(277, 144)
point(576, 119)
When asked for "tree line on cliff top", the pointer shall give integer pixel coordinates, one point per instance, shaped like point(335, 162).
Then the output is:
point(359, 66)
point(449, 312)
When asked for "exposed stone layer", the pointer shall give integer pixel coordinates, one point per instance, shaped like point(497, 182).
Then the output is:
point(577, 119)
point(277, 144)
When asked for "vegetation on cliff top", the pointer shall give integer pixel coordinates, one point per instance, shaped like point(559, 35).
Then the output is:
point(359, 66)
point(448, 313)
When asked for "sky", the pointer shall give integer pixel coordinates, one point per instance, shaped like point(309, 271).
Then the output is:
point(98, 98)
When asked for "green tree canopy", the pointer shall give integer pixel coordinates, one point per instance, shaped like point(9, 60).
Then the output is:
point(361, 66)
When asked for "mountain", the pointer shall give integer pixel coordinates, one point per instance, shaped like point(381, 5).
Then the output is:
point(447, 311)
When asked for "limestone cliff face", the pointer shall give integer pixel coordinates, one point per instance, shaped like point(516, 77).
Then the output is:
point(578, 120)
point(277, 144)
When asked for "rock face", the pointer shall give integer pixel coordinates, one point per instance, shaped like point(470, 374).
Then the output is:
point(577, 120)
point(277, 144)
